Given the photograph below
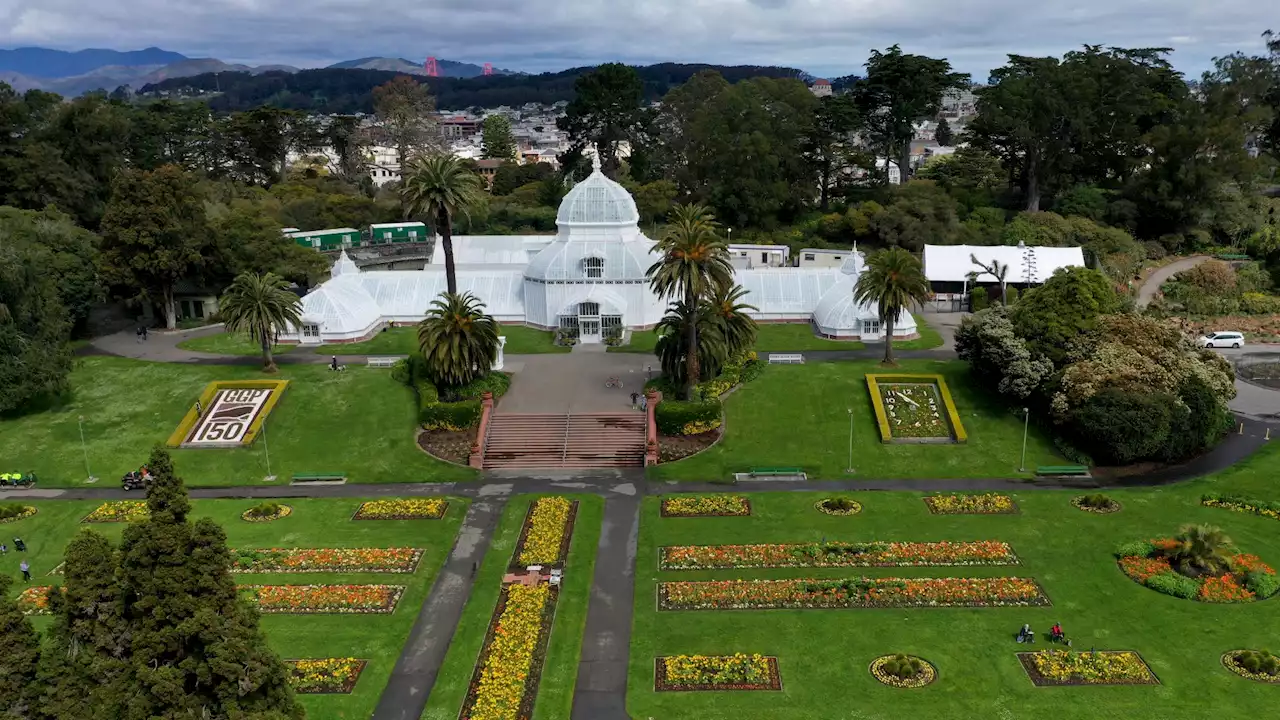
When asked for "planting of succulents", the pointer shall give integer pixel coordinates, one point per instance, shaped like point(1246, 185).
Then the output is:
point(903, 671)
point(1096, 503)
point(1258, 665)
point(838, 506)
point(1199, 563)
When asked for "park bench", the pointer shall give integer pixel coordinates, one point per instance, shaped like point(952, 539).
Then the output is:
point(777, 471)
point(308, 478)
point(384, 361)
point(1062, 471)
point(786, 359)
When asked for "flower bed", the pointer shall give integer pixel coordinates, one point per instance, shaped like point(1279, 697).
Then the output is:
point(505, 682)
point(266, 513)
point(836, 554)
point(315, 560)
point(34, 600)
point(118, 511)
point(914, 409)
point(984, 504)
point(1247, 577)
point(324, 675)
point(15, 512)
point(324, 599)
point(1233, 661)
point(544, 539)
point(412, 509)
point(1099, 504)
point(879, 670)
point(1098, 667)
point(705, 506)
point(850, 593)
point(838, 506)
point(716, 672)
point(1243, 504)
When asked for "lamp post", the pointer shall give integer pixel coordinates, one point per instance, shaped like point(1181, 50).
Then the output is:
point(849, 468)
point(85, 449)
point(267, 450)
point(1026, 420)
point(730, 231)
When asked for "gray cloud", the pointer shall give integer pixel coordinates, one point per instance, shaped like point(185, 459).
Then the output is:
point(827, 37)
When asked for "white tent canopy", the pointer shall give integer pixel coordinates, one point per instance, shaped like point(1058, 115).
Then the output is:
point(952, 263)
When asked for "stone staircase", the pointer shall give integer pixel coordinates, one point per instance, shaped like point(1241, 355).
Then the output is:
point(520, 441)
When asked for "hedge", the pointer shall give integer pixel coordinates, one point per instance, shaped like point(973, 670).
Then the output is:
point(436, 415)
point(450, 416)
point(673, 416)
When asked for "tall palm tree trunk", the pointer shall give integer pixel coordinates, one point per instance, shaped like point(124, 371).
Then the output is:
point(268, 362)
point(446, 239)
point(691, 360)
point(888, 339)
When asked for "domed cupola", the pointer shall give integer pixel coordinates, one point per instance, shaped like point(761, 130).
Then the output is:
point(597, 201)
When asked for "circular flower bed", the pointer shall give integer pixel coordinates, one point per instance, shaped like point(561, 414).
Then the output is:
point(1258, 665)
point(838, 506)
point(1198, 565)
point(15, 512)
point(903, 671)
point(266, 512)
point(1100, 504)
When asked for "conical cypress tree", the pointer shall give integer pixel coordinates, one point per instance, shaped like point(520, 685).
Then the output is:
point(84, 656)
point(196, 647)
point(19, 656)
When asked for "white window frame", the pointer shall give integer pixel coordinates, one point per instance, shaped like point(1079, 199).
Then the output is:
point(593, 267)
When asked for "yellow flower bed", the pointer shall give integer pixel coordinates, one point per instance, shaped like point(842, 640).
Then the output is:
point(118, 511)
point(736, 669)
point(409, 509)
point(507, 666)
point(547, 526)
point(1092, 668)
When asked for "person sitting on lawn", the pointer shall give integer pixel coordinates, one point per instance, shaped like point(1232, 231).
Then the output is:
point(1026, 634)
point(1055, 633)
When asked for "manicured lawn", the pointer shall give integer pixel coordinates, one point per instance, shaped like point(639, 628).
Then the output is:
point(560, 671)
point(229, 344)
point(359, 422)
point(770, 337)
point(796, 416)
point(928, 340)
point(521, 340)
point(824, 654)
point(314, 523)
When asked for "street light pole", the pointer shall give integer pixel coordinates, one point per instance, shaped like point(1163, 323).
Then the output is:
point(85, 449)
point(267, 449)
point(849, 468)
point(1026, 420)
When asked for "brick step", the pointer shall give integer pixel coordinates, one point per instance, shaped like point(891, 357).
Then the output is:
point(580, 441)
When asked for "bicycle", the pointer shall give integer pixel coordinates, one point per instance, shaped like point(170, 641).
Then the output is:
point(613, 382)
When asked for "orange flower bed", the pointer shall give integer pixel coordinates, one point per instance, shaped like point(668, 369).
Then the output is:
point(317, 599)
point(837, 554)
point(1143, 569)
point(315, 560)
point(34, 600)
point(1223, 589)
point(850, 593)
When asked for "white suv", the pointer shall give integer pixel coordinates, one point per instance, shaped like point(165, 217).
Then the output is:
point(1223, 340)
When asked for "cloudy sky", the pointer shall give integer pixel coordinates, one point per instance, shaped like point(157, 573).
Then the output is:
point(825, 37)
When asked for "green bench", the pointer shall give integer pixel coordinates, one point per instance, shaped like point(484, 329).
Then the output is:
point(320, 477)
point(1062, 470)
point(764, 472)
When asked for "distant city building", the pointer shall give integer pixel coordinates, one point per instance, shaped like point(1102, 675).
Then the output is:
point(821, 87)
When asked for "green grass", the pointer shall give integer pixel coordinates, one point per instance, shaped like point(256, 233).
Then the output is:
point(928, 340)
point(770, 337)
point(521, 340)
point(823, 654)
point(314, 523)
point(796, 416)
point(560, 671)
point(229, 344)
point(359, 422)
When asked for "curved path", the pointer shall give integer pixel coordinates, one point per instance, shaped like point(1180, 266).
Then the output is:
point(1151, 286)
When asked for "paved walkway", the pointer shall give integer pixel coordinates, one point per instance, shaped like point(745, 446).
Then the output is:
point(1152, 284)
point(406, 693)
point(574, 382)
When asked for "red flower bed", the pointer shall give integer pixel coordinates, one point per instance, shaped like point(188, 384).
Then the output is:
point(850, 593)
point(318, 599)
point(837, 554)
point(1247, 579)
point(1223, 589)
point(1142, 569)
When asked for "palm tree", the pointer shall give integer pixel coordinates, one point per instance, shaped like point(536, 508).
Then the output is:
point(694, 264)
point(458, 340)
point(438, 187)
point(996, 270)
point(893, 280)
point(731, 319)
point(1201, 549)
point(672, 347)
point(260, 306)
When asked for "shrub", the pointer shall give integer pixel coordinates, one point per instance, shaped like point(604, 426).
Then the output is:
point(840, 503)
point(450, 416)
point(1010, 295)
point(1256, 303)
point(400, 372)
point(1097, 501)
point(13, 510)
point(902, 667)
point(673, 415)
point(1155, 251)
point(266, 509)
point(1135, 548)
point(1258, 662)
point(495, 382)
point(1174, 584)
point(1262, 584)
point(978, 299)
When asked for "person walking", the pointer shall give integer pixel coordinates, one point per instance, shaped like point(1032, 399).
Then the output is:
point(26, 570)
point(144, 333)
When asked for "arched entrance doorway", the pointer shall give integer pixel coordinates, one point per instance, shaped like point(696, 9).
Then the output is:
point(592, 321)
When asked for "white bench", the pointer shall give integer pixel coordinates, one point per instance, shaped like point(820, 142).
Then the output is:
point(786, 359)
point(384, 361)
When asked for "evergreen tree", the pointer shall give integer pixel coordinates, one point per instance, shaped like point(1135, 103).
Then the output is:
point(498, 142)
point(19, 655)
point(83, 661)
point(943, 134)
point(196, 647)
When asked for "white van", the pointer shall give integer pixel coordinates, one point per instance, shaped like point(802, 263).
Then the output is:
point(1223, 340)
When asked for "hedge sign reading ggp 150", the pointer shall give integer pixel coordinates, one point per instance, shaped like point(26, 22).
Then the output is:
point(226, 420)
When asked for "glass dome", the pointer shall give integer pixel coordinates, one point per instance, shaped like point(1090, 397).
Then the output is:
point(597, 201)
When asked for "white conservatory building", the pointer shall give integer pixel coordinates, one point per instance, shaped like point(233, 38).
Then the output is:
point(590, 275)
